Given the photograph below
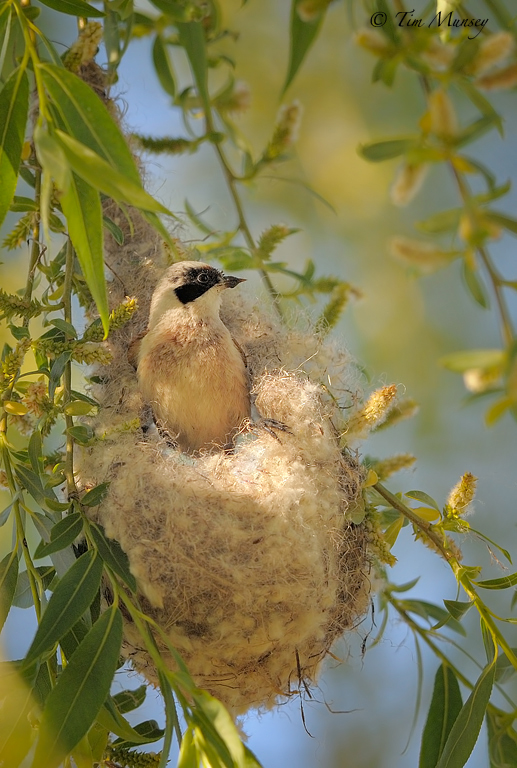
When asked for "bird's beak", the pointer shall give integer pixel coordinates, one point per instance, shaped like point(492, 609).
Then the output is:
point(231, 282)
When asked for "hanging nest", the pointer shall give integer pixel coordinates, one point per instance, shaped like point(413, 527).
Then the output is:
point(249, 561)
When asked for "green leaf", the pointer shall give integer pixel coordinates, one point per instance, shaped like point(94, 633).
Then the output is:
point(146, 733)
point(57, 370)
point(189, 756)
point(99, 174)
point(497, 410)
point(73, 8)
point(458, 608)
point(82, 208)
point(14, 107)
point(35, 451)
point(503, 220)
point(404, 587)
point(80, 692)
point(385, 71)
point(81, 113)
point(61, 535)
point(445, 221)
point(16, 732)
point(113, 555)
point(431, 612)
point(67, 328)
point(31, 482)
point(493, 543)
point(73, 638)
point(21, 204)
point(223, 728)
point(444, 709)
point(111, 719)
point(494, 193)
point(77, 408)
point(72, 596)
point(127, 701)
point(504, 582)
point(192, 39)
point(302, 37)
point(94, 497)
point(475, 130)
point(23, 595)
point(81, 433)
point(42, 685)
point(502, 742)
point(163, 67)
point(8, 580)
point(392, 531)
point(111, 38)
point(4, 515)
point(466, 51)
point(424, 498)
point(117, 233)
point(465, 731)
point(377, 151)
point(196, 219)
point(6, 13)
point(459, 362)
point(475, 286)
point(481, 102)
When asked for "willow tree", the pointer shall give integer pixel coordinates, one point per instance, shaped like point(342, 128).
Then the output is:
point(71, 176)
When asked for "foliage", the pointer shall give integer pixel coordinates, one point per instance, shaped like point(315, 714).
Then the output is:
point(76, 156)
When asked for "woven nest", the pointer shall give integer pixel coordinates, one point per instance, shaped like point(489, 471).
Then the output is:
point(248, 560)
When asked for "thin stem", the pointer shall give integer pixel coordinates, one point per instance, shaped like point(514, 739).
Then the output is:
point(231, 181)
point(507, 331)
point(458, 571)
point(67, 375)
point(21, 541)
point(428, 529)
point(424, 635)
point(35, 247)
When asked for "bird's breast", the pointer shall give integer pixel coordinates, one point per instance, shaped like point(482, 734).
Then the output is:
point(196, 382)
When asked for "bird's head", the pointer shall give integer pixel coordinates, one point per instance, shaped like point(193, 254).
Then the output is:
point(190, 286)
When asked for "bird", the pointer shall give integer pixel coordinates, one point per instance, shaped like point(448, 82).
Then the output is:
point(190, 370)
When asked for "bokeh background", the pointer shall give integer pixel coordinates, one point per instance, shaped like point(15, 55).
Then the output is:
point(398, 331)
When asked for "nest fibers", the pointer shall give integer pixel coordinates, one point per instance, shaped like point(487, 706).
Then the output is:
point(246, 560)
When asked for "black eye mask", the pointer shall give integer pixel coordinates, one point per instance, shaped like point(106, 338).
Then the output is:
point(192, 289)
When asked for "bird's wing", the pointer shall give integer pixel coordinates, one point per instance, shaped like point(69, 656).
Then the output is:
point(242, 353)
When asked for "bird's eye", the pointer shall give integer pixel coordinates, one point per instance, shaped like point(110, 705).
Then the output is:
point(203, 277)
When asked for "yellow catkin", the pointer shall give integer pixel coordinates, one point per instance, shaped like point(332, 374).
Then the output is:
point(36, 397)
point(442, 114)
point(373, 412)
point(286, 130)
point(481, 379)
point(449, 543)
point(85, 47)
point(427, 257)
point(500, 80)
point(309, 10)
point(373, 41)
point(408, 183)
point(494, 50)
point(235, 102)
point(403, 409)
point(461, 496)
point(387, 467)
